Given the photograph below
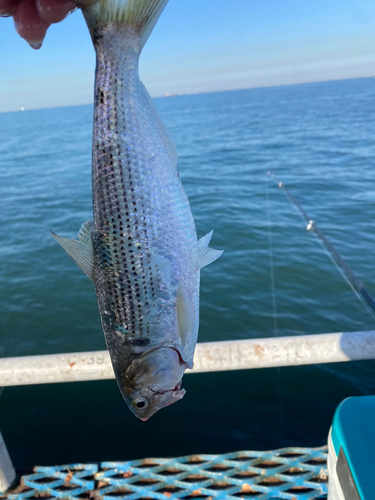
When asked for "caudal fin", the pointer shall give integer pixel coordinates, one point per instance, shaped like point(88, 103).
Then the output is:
point(141, 15)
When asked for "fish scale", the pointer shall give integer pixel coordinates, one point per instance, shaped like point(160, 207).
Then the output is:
point(153, 216)
point(141, 249)
point(117, 195)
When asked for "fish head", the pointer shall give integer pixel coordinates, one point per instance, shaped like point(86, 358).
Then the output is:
point(153, 381)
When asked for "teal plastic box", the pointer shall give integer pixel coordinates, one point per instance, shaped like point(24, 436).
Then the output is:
point(351, 450)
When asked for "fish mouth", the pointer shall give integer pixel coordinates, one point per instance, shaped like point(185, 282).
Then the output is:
point(176, 393)
point(176, 388)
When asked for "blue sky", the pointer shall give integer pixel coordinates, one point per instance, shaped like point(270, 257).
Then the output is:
point(200, 46)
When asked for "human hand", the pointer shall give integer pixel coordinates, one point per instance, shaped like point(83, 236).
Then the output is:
point(33, 17)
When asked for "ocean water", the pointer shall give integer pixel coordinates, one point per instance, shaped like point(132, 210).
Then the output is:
point(319, 140)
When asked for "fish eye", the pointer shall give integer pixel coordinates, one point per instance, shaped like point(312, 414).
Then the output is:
point(140, 403)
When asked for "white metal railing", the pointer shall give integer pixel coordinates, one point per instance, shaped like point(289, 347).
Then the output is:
point(209, 357)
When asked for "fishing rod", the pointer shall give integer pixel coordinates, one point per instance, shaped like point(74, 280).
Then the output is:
point(336, 257)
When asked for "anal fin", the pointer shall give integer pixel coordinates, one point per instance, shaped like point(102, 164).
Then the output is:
point(207, 255)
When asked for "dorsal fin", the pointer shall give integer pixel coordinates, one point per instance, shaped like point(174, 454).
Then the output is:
point(163, 131)
point(185, 314)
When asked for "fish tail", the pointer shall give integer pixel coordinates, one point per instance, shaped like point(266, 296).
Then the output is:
point(140, 15)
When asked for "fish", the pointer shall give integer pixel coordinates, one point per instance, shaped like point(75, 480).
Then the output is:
point(140, 249)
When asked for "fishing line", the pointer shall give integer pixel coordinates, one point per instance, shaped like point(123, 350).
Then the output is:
point(272, 272)
point(273, 292)
point(351, 279)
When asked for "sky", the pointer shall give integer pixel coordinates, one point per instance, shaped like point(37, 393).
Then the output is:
point(200, 46)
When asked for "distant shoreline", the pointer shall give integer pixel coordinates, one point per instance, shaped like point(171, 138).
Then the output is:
point(174, 94)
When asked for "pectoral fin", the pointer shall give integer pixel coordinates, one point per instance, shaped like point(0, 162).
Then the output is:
point(82, 250)
point(206, 255)
point(185, 315)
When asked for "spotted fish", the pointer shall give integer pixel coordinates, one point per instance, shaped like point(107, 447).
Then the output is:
point(141, 249)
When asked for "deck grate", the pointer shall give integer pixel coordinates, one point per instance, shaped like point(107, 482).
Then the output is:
point(290, 473)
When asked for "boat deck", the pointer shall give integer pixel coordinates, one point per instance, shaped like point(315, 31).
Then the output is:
point(289, 473)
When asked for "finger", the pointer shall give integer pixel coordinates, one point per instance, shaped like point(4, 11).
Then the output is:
point(28, 24)
point(54, 11)
point(7, 7)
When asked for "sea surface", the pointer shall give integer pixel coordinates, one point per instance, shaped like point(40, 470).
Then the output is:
point(319, 141)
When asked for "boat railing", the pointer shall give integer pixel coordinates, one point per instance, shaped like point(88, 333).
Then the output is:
point(209, 357)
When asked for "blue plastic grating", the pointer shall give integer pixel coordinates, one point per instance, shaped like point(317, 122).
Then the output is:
point(66, 481)
point(290, 473)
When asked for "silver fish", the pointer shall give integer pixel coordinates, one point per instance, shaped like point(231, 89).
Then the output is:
point(141, 249)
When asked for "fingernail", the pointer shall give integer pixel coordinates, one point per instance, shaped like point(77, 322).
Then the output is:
point(36, 45)
point(71, 11)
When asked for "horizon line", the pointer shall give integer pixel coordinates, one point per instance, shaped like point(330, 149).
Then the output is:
point(171, 94)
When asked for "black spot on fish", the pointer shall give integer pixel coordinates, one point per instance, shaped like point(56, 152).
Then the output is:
point(137, 342)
